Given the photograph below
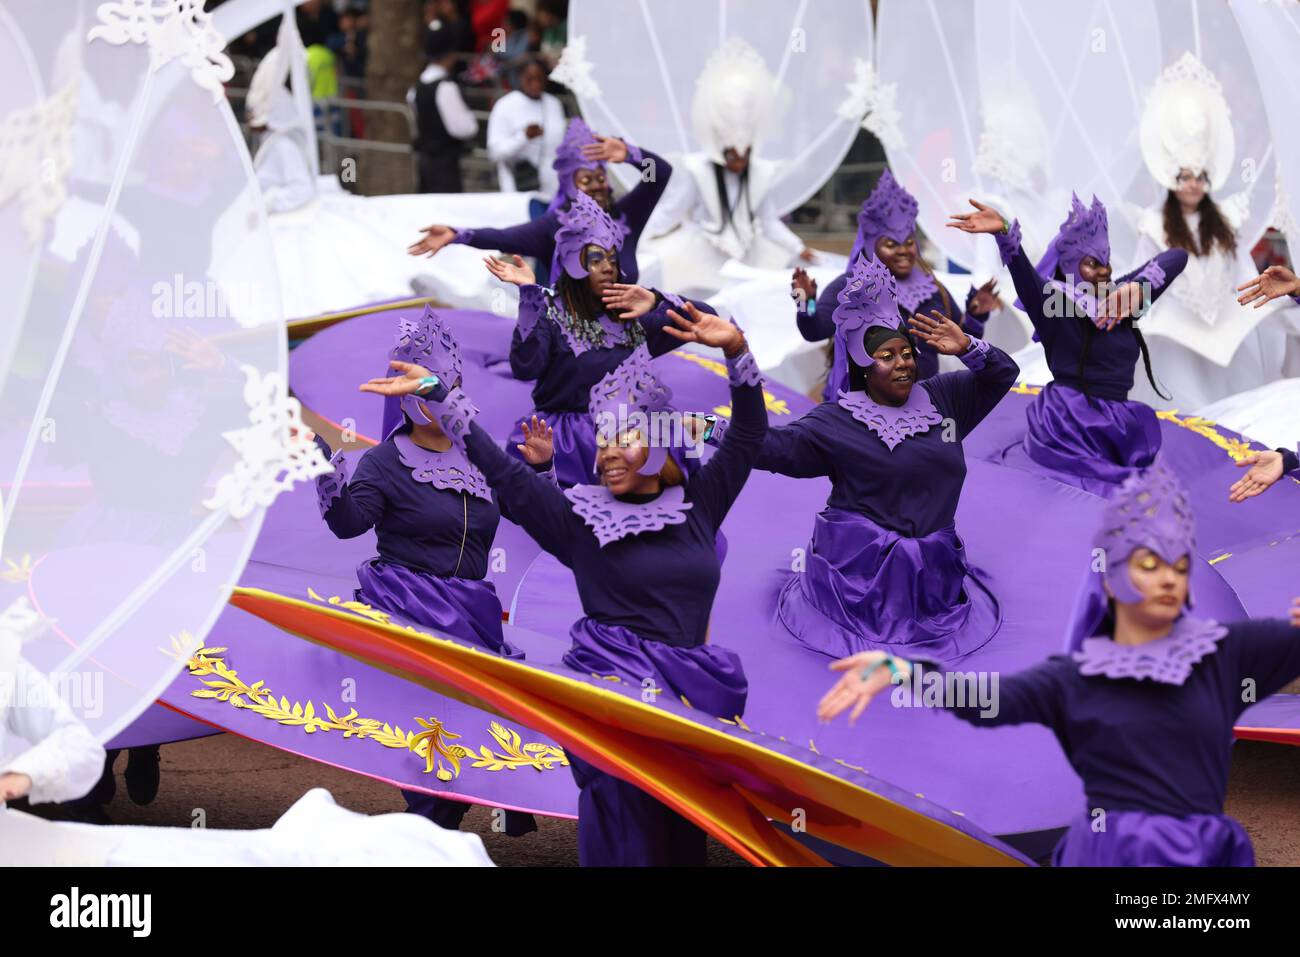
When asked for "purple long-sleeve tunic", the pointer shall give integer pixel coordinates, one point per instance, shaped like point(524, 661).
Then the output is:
point(657, 584)
point(545, 349)
point(537, 237)
point(913, 488)
point(818, 326)
point(1151, 745)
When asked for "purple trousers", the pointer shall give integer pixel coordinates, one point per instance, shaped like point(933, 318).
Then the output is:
point(619, 825)
point(865, 587)
point(1090, 442)
point(1138, 839)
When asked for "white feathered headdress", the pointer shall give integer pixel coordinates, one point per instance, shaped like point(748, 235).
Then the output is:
point(1187, 125)
point(734, 97)
point(269, 102)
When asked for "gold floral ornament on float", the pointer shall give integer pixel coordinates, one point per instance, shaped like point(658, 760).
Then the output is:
point(443, 759)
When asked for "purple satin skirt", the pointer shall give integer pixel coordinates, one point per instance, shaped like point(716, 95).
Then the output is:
point(1138, 839)
point(865, 587)
point(463, 608)
point(1087, 441)
point(574, 438)
point(620, 825)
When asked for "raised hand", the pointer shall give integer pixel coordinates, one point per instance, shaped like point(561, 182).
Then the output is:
point(985, 299)
point(985, 219)
point(1272, 283)
point(516, 271)
point(1121, 303)
point(706, 329)
point(405, 384)
point(865, 675)
point(606, 149)
point(537, 447)
point(631, 302)
point(803, 288)
point(14, 786)
point(1265, 469)
point(435, 237)
point(940, 332)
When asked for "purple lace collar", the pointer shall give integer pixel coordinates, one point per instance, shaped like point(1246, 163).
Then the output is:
point(916, 289)
point(449, 470)
point(1168, 660)
point(609, 519)
point(893, 423)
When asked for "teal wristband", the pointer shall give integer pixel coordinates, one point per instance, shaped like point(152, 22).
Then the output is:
point(426, 385)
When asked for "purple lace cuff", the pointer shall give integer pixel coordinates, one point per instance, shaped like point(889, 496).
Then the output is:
point(463, 236)
point(634, 154)
point(893, 423)
point(719, 430)
point(975, 356)
point(455, 414)
point(744, 371)
point(609, 519)
point(1152, 272)
point(1008, 244)
point(1168, 660)
point(329, 487)
point(533, 302)
point(674, 300)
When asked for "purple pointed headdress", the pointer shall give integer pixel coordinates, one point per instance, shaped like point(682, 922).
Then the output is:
point(632, 398)
point(569, 159)
point(426, 342)
point(1151, 509)
point(583, 223)
point(889, 211)
point(1084, 233)
point(869, 299)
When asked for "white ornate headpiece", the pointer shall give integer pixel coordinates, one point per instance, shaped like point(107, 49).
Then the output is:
point(1187, 125)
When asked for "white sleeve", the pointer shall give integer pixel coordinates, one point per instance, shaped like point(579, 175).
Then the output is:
point(456, 117)
point(505, 136)
point(65, 761)
point(773, 228)
point(283, 174)
point(675, 206)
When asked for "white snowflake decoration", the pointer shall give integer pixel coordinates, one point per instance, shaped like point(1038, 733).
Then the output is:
point(575, 71)
point(35, 157)
point(274, 451)
point(873, 103)
point(171, 29)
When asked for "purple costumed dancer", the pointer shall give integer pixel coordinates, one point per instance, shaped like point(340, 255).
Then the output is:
point(566, 340)
point(434, 517)
point(641, 546)
point(1144, 700)
point(580, 165)
point(887, 230)
point(886, 567)
point(1082, 426)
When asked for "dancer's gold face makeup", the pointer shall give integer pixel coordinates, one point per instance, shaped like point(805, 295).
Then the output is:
point(594, 184)
point(1163, 585)
point(899, 258)
point(891, 376)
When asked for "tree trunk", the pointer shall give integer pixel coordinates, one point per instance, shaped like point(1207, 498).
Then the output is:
point(393, 63)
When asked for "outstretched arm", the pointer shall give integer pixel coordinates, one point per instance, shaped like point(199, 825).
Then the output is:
point(1272, 283)
point(1032, 287)
point(1033, 696)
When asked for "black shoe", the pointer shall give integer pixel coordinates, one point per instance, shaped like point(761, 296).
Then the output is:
point(142, 774)
point(519, 823)
point(106, 787)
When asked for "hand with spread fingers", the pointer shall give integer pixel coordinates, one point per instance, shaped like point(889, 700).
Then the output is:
point(515, 271)
point(606, 149)
point(803, 288)
point(985, 299)
point(865, 675)
point(940, 333)
point(1265, 469)
point(1273, 283)
point(629, 301)
point(1120, 303)
point(435, 238)
point(985, 219)
point(706, 329)
point(537, 447)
